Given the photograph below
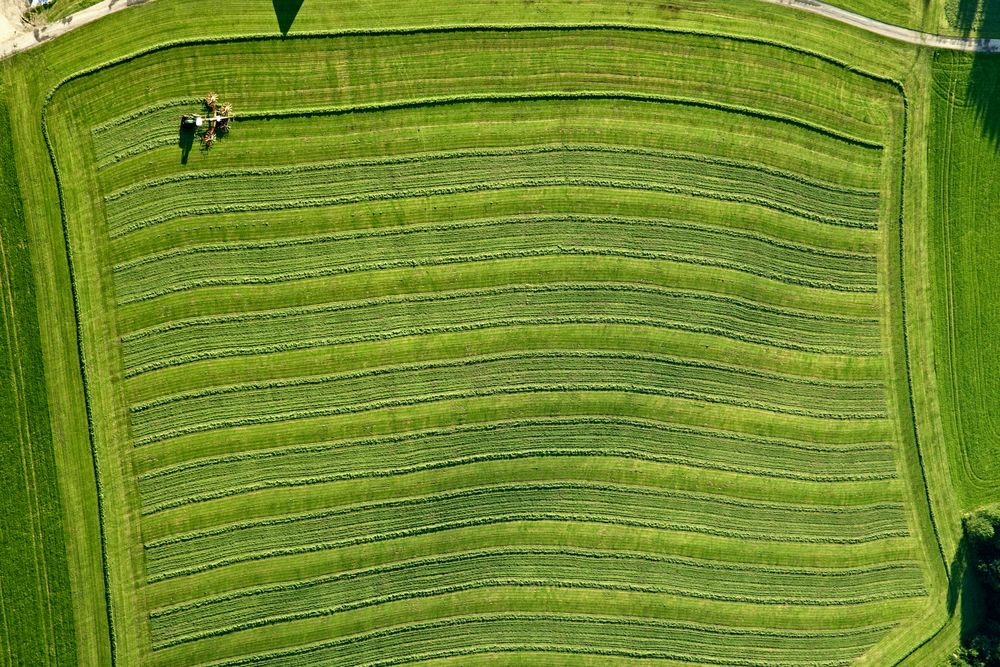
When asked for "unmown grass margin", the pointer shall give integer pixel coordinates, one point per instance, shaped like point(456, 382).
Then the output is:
point(35, 593)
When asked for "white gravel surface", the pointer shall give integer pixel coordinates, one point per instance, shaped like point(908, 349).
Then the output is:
point(10, 18)
point(27, 38)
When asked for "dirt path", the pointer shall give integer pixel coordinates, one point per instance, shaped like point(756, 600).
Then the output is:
point(892, 31)
point(24, 38)
point(10, 18)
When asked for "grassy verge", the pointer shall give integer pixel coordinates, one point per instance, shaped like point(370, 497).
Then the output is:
point(35, 605)
point(963, 198)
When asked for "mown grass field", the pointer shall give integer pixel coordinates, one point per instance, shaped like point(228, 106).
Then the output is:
point(521, 334)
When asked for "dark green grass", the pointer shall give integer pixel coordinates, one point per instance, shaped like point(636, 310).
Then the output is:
point(36, 626)
point(965, 251)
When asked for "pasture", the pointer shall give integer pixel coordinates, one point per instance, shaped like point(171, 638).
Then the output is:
point(35, 607)
point(965, 266)
point(522, 334)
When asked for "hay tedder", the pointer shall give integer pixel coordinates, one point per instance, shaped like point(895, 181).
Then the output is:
point(217, 119)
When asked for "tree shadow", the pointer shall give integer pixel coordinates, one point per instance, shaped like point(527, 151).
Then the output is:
point(286, 11)
point(962, 14)
point(982, 93)
point(965, 592)
point(185, 140)
point(974, 17)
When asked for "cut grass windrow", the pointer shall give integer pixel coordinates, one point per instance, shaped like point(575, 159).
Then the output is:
point(138, 131)
point(529, 567)
point(264, 262)
point(634, 637)
point(306, 186)
point(222, 407)
point(189, 553)
point(184, 341)
point(496, 123)
point(586, 436)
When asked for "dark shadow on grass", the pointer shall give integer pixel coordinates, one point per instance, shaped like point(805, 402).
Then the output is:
point(981, 70)
point(974, 17)
point(962, 14)
point(185, 140)
point(965, 592)
point(983, 93)
point(286, 11)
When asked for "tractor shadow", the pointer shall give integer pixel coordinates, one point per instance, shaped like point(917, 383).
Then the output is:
point(286, 11)
point(185, 140)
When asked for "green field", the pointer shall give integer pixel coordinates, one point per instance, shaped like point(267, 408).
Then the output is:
point(34, 587)
point(916, 14)
point(943, 17)
point(965, 266)
point(515, 333)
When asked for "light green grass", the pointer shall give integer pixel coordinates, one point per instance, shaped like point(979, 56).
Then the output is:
point(453, 211)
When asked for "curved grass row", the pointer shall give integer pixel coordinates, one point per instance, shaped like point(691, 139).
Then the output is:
point(639, 157)
point(547, 582)
point(550, 360)
point(221, 407)
point(188, 553)
point(612, 636)
point(443, 414)
point(407, 452)
point(322, 185)
point(648, 123)
point(443, 210)
point(499, 60)
point(577, 568)
point(250, 263)
point(217, 337)
point(251, 485)
point(549, 267)
point(139, 131)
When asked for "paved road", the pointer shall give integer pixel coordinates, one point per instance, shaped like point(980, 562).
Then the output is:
point(28, 40)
